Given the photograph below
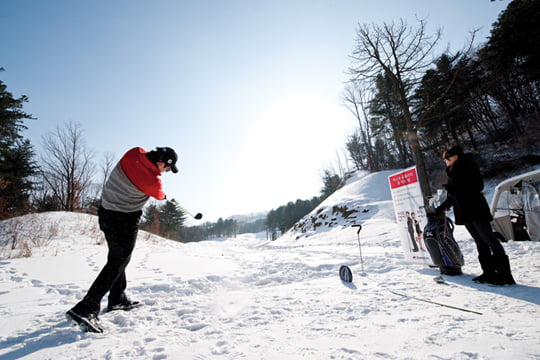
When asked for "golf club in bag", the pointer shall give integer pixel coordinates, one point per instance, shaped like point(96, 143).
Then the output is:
point(345, 272)
point(198, 216)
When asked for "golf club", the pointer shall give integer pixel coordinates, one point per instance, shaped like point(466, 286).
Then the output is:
point(198, 216)
point(359, 246)
point(345, 272)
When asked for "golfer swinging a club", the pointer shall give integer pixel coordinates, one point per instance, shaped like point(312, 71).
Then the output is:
point(132, 182)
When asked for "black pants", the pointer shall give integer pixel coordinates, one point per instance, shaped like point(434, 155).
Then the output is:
point(486, 242)
point(411, 236)
point(120, 231)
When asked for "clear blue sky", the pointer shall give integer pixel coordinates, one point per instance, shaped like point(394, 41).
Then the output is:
point(247, 91)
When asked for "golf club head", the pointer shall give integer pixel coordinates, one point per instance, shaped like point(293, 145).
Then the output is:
point(198, 216)
point(345, 273)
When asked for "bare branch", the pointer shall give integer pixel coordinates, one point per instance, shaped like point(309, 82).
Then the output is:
point(66, 165)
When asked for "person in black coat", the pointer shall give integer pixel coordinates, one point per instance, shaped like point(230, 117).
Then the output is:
point(471, 209)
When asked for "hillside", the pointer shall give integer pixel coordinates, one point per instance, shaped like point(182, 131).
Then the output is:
point(360, 199)
point(246, 298)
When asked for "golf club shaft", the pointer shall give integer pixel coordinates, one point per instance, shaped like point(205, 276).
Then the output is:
point(198, 216)
point(359, 246)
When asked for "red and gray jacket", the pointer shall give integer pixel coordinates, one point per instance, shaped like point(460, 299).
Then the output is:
point(132, 182)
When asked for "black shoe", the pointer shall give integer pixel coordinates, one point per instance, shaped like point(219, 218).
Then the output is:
point(87, 323)
point(503, 272)
point(125, 305)
point(482, 279)
point(487, 263)
point(450, 270)
point(502, 281)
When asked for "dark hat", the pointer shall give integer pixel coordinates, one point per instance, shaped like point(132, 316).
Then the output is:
point(168, 156)
point(454, 150)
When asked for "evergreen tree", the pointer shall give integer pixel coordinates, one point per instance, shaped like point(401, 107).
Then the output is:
point(150, 220)
point(192, 233)
point(171, 220)
point(16, 155)
point(449, 120)
point(331, 182)
point(252, 227)
point(165, 220)
point(513, 42)
point(511, 66)
point(284, 217)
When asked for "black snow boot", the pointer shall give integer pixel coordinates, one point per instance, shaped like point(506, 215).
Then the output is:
point(488, 269)
point(87, 322)
point(504, 274)
point(125, 304)
point(450, 270)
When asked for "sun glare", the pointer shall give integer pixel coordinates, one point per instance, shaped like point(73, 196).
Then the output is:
point(296, 136)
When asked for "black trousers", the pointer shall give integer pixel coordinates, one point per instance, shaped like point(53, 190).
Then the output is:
point(120, 231)
point(486, 242)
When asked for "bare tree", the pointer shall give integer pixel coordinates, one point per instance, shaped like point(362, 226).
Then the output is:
point(93, 195)
point(109, 161)
point(356, 98)
point(402, 53)
point(66, 165)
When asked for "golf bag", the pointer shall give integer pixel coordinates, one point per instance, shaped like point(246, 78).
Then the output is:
point(441, 245)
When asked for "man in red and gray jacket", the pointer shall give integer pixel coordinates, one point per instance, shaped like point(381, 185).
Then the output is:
point(133, 181)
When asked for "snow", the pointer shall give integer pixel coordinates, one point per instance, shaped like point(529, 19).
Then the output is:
point(248, 298)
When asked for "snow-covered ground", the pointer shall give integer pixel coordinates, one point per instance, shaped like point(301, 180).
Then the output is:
point(246, 298)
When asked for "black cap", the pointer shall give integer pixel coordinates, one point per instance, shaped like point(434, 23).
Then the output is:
point(454, 150)
point(168, 156)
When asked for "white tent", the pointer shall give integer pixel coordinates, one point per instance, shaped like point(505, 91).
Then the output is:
point(516, 207)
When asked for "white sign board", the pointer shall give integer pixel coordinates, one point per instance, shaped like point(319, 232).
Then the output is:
point(410, 214)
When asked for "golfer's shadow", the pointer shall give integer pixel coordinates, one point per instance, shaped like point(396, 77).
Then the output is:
point(47, 337)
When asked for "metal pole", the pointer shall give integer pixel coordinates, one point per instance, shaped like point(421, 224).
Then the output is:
point(359, 246)
point(436, 303)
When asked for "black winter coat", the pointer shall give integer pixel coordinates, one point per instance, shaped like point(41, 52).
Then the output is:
point(465, 187)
